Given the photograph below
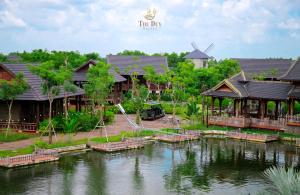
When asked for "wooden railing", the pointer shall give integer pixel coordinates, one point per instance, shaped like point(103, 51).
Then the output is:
point(22, 126)
point(243, 122)
point(27, 158)
point(293, 120)
point(240, 122)
point(266, 123)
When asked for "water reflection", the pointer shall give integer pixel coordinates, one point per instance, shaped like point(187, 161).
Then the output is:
point(209, 166)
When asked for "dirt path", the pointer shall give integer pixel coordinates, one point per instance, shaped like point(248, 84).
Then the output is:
point(120, 124)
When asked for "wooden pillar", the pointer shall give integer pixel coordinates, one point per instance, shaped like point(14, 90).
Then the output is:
point(79, 102)
point(245, 107)
point(266, 109)
point(276, 109)
point(234, 107)
point(241, 107)
point(76, 103)
point(259, 109)
point(37, 111)
point(292, 106)
point(262, 109)
point(212, 105)
point(220, 106)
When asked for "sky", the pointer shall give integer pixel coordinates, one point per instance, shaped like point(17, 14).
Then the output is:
point(238, 28)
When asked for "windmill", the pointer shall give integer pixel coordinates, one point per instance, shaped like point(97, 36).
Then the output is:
point(198, 57)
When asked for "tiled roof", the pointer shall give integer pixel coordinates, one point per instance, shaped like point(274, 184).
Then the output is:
point(293, 73)
point(272, 68)
point(125, 65)
point(197, 54)
point(295, 92)
point(268, 90)
point(34, 92)
point(81, 76)
point(275, 90)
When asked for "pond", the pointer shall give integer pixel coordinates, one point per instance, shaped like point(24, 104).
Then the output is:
point(208, 166)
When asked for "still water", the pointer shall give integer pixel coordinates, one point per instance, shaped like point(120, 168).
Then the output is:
point(208, 166)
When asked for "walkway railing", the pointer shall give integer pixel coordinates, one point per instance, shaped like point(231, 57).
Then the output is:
point(240, 122)
point(266, 123)
point(293, 120)
point(22, 126)
point(243, 122)
point(27, 158)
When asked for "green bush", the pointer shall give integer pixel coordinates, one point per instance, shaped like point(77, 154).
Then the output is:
point(86, 121)
point(165, 97)
point(168, 108)
point(129, 107)
point(109, 116)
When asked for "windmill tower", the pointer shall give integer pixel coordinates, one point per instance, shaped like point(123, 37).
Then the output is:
point(198, 57)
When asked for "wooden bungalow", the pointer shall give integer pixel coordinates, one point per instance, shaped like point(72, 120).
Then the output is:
point(122, 68)
point(126, 65)
point(32, 106)
point(250, 97)
point(80, 78)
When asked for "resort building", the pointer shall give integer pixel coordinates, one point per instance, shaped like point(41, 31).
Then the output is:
point(122, 68)
point(32, 106)
point(260, 81)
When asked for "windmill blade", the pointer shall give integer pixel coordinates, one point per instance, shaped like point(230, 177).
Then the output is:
point(194, 45)
point(210, 47)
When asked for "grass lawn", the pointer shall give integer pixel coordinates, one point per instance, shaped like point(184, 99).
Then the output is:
point(11, 137)
point(124, 134)
point(203, 127)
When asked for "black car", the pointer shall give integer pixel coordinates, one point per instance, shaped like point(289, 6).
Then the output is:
point(152, 110)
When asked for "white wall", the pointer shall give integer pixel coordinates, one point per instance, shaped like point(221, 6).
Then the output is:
point(199, 63)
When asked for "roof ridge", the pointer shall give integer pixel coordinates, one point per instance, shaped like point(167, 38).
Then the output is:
point(290, 68)
point(259, 81)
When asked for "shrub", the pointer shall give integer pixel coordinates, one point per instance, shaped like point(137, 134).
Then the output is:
point(129, 107)
point(109, 116)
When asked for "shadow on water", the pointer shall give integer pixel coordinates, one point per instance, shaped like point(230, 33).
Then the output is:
point(210, 166)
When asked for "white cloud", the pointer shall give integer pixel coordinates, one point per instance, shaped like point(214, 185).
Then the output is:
point(291, 24)
point(8, 19)
point(112, 25)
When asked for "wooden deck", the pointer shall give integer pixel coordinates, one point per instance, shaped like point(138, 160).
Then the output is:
point(129, 144)
point(29, 159)
point(252, 137)
point(177, 138)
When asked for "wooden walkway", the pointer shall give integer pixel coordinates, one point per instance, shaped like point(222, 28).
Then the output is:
point(134, 143)
point(28, 159)
point(178, 138)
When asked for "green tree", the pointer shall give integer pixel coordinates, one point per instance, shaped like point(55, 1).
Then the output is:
point(9, 90)
point(139, 92)
point(2, 57)
point(175, 90)
point(132, 53)
point(68, 85)
point(99, 86)
point(53, 80)
point(150, 76)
